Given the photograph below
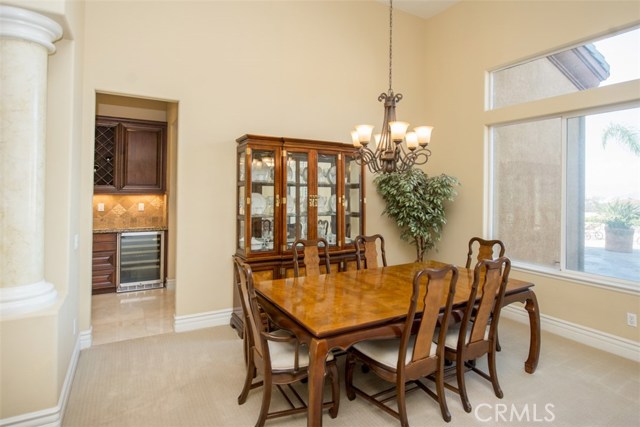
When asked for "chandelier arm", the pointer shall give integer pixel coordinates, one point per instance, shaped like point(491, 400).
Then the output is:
point(367, 154)
point(408, 158)
point(421, 156)
point(373, 167)
point(403, 156)
point(369, 158)
point(407, 161)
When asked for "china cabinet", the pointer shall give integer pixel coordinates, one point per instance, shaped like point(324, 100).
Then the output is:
point(290, 189)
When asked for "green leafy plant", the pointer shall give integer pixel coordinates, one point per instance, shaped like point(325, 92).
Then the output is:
point(416, 202)
point(620, 214)
point(626, 135)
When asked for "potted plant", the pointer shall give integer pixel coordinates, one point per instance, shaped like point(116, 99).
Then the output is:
point(619, 218)
point(415, 202)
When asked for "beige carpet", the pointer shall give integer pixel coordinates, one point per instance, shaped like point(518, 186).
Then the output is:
point(193, 379)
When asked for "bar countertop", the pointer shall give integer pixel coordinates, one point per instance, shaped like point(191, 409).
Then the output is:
point(128, 230)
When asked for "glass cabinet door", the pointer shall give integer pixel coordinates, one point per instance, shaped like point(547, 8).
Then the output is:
point(240, 198)
point(326, 200)
point(263, 200)
point(353, 200)
point(297, 197)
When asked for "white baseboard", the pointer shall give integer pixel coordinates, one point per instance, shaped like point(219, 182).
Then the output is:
point(170, 284)
point(208, 319)
point(584, 335)
point(86, 338)
point(50, 417)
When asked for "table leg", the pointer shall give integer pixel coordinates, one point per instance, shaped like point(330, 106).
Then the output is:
point(531, 305)
point(317, 356)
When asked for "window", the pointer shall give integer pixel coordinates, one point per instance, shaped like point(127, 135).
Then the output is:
point(557, 178)
point(604, 62)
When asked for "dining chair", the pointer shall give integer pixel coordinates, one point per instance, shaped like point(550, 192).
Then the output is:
point(404, 361)
point(367, 251)
point(485, 249)
point(311, 256)
point(477, 333)
point(278, 357)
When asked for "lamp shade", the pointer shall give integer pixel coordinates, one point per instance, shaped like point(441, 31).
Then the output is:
point(412, 140)
point(424, 134)
point(398, 130)
point(355, 139)
point(364, 133)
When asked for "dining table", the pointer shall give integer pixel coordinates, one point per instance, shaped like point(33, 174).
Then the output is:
point(337, 310)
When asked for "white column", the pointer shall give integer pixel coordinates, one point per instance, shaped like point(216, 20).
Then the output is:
point(26, 40)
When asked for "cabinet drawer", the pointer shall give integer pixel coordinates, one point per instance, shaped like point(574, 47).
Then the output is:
point(104, 260)
point(105, 237)
point(102, 283)
point(105, 279)
point(103, 242)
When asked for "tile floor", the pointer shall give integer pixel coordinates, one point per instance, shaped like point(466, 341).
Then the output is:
point(599, 261)
point(129, 315)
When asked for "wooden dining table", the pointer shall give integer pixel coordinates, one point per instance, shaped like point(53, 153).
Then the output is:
point(335, 311)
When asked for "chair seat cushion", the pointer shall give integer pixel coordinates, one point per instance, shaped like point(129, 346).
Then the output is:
point(283, 353)
point(451, 340)
point(385, 352)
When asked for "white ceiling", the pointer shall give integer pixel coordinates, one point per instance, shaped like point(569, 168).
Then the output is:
point(421, 8)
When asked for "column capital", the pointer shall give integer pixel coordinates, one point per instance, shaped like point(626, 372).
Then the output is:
point(31, 26)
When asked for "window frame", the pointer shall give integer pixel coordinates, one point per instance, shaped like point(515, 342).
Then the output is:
point(596, 100)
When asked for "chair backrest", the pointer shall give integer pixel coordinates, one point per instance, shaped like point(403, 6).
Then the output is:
point(490, 277)
point(311, 251)
point(437, 286)
point(486, 249)
point(367, 251)
point(253, 319)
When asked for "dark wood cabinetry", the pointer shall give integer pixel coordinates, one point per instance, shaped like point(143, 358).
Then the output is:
point(288, 189)
point(130, 156)
point(105, 247)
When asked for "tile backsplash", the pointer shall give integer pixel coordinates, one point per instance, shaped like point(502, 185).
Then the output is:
point(121, 211)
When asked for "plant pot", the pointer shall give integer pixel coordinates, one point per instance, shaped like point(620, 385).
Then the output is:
point(618, 239)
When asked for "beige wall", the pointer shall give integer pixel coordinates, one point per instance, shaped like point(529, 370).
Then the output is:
point(36, 349)
point(462, 44)
point(300, 69)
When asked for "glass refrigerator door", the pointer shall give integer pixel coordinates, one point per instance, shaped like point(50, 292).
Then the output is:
point(141, 260)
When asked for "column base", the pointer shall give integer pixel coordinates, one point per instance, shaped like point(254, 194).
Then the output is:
point(26, 298)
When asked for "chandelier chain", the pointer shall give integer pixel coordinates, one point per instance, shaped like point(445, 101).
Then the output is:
point(390, 41)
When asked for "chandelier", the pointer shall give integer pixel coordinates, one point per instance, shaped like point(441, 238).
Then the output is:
point(394, 149)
